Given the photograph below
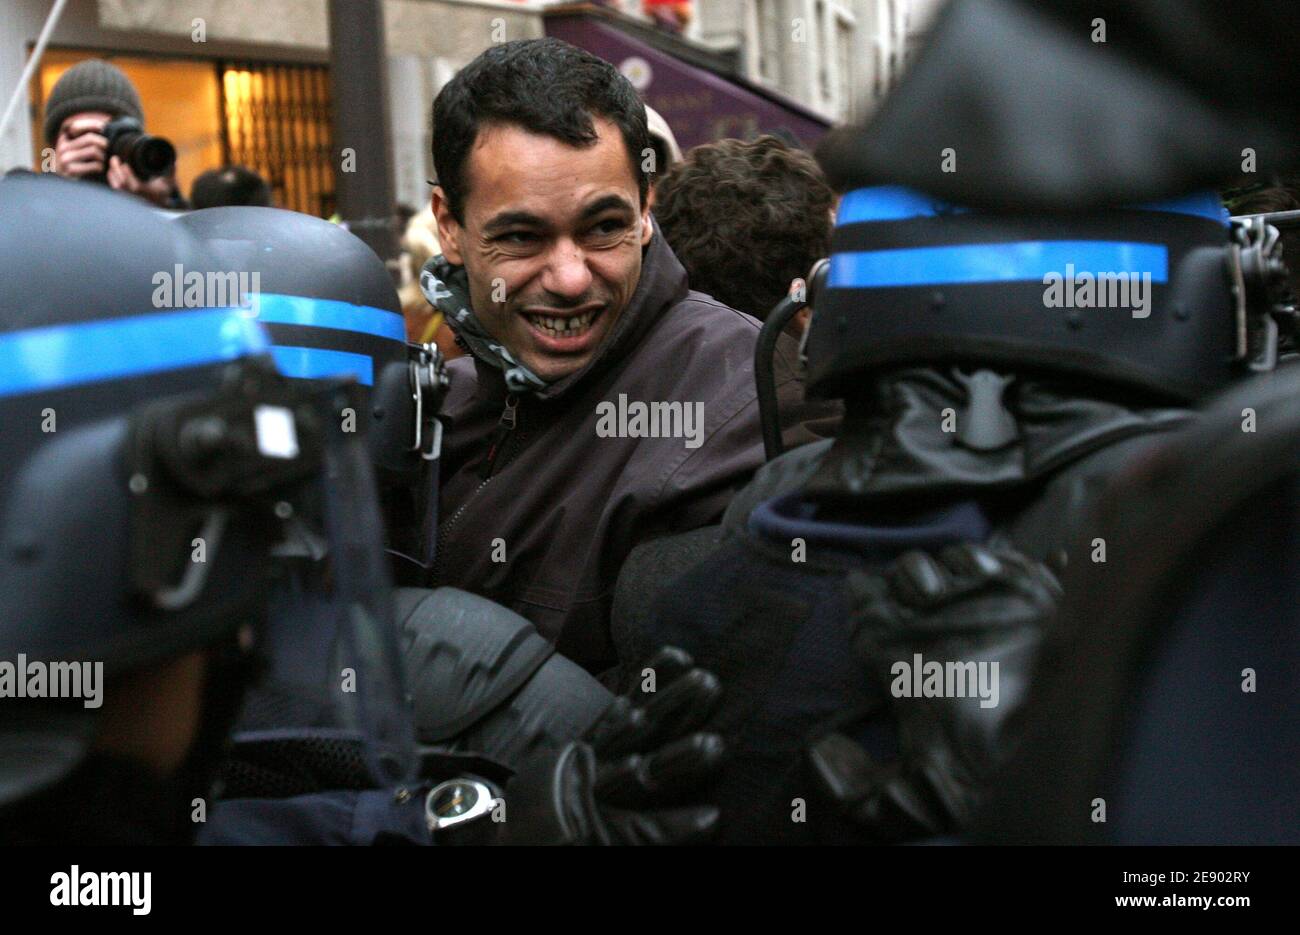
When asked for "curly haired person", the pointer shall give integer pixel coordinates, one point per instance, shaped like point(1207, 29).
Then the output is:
point(746, 218)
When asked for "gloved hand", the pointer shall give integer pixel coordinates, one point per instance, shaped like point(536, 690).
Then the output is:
point(634, 777)
point(971, 604)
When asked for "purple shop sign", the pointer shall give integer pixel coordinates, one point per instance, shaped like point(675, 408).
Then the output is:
point(699, 105)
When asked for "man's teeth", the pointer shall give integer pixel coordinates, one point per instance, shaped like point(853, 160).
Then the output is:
point(563, 327)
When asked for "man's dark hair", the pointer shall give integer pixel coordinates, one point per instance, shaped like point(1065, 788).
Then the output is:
point(545, 86)
point(233, 185)
point(1267, 199)
point(745, 219)
point(662, 156)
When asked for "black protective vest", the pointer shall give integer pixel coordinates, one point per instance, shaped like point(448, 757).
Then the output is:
point(776, 629)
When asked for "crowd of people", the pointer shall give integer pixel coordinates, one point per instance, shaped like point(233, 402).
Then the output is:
point(507, 557)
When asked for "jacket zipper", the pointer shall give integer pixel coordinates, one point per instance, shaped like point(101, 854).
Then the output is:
point(500, 435)
point(505, 426)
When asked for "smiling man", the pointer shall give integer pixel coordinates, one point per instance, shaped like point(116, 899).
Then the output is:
point(557, 301)
point(556, 278)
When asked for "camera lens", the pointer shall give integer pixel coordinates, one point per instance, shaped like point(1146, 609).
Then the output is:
point(152, 156)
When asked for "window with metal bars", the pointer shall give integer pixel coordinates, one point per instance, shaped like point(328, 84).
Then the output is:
point(276, 120)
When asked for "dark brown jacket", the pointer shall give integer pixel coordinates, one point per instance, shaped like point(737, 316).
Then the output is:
point(540, 517)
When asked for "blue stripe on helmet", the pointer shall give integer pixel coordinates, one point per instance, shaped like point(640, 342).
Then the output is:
point(328, 313)
point(1200, 204)
point(314, 363)
point(86, 352)
point(889, 203)
point(998, 262)
point(896, 203)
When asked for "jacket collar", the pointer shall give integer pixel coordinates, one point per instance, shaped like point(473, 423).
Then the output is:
point(895, 442)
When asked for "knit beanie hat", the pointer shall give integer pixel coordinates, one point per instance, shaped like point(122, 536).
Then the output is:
point(92, 85)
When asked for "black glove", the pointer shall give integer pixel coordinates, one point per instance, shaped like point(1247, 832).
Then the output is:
point(973, 604)
point(634, 777)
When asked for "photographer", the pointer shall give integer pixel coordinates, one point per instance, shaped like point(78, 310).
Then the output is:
point(84, 101)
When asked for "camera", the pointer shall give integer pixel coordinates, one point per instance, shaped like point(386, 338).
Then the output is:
point(148, 156)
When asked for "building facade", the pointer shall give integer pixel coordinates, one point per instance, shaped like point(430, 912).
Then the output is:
point(837, 57)
point(247, 81)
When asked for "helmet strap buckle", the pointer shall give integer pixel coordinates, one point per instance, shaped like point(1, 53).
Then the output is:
point(1260, 292)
